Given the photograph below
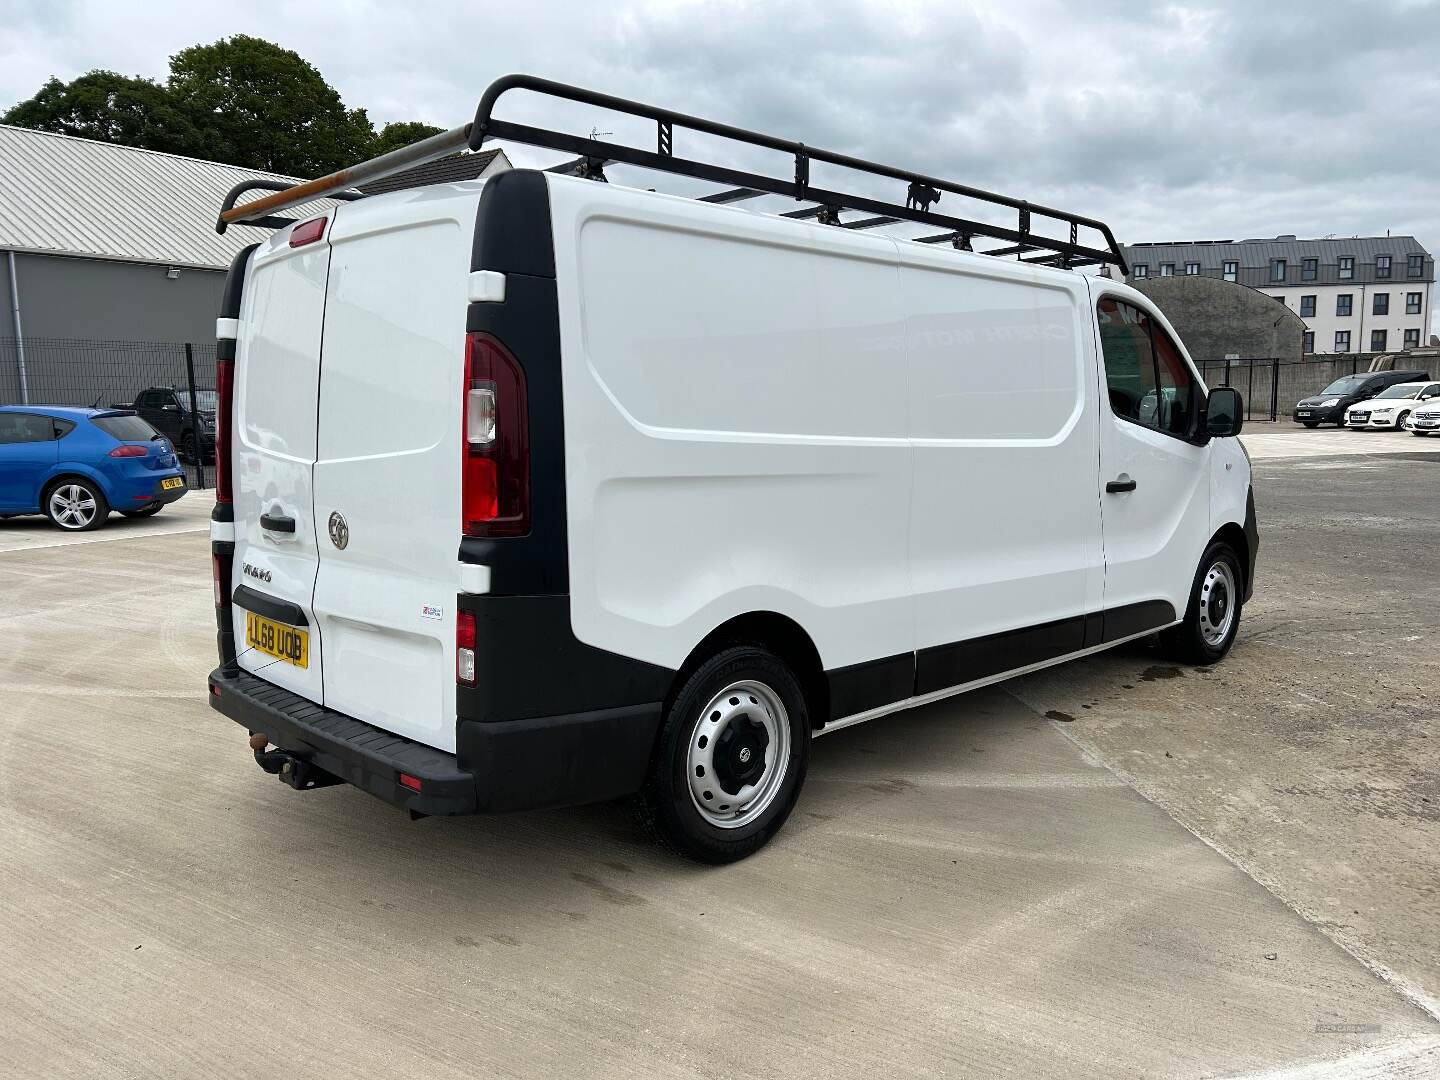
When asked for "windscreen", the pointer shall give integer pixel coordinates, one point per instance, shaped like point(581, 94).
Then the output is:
point(126, 428)
point(1348, 385)
point(1400, 390)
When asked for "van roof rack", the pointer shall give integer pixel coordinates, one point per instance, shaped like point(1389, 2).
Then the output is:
point(593, 155)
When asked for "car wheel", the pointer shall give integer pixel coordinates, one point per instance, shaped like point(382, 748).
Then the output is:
point(185, 448)
point(1311, 423)
point(144, 511)
point(731, 757)
point(1212, 618)
point(76, 505)
point(1400, 421)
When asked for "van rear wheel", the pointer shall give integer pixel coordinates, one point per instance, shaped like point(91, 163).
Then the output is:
point(1213, 617)
point(731, 757)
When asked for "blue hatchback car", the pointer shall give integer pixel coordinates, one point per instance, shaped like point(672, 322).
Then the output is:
point(76, 465)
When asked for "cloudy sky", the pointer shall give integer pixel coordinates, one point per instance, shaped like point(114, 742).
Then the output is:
point(1169, 120)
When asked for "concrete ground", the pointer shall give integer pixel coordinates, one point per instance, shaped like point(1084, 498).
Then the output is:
point(972, 889)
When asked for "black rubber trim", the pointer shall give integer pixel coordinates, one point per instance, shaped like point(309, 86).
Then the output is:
point(861, 687)
point(512, 227)
point(528, 663)
point(269, 607)
point(559, 760)
point(1252, 543)
point(943, 666)
point(235, 283)
point(513, 236)
point(1132, 619)
point(357, 752)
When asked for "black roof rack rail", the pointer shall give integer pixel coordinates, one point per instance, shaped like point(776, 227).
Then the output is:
point(592, 155)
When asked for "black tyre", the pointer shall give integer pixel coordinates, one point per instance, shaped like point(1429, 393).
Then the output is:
point(1213, 616)
point(1312, 423)
point(185, 449)
point(1400, 421)
point(75, 505)
point(730, 759)
point(144, 511)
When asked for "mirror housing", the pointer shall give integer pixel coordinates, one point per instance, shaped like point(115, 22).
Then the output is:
point(1224, 413)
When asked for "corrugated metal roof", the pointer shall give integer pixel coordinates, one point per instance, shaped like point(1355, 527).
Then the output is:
point(79, 197)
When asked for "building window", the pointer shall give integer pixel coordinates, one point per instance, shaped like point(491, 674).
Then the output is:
point(1412, 303)
point(1309, 268)
point(1277, 269)
point(1344, 303)
point(1281, 299)
point(1307, 307)
point(1309, 345)
point(1231, 271)
point(1167, 269)
point(1412, 339)
point(1381, 305)
point(1414, 265)
point(1377, 340)
point(1192, 269)
point(1342, 340)
point(1382, 266)
point(1347, 267)
point(1141, 270)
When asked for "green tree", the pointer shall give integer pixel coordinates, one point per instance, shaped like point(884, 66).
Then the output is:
point(256, 104)
point(395, 135)
point(110, 108)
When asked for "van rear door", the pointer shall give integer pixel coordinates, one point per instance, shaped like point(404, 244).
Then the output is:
point(277, 375)
point(388, 468)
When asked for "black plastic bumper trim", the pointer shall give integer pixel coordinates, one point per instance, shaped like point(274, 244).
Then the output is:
point(1252, 543)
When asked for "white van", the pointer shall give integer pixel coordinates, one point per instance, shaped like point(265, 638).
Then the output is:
point(539, 490)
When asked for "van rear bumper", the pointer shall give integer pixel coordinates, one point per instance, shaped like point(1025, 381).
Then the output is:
point(502, 765)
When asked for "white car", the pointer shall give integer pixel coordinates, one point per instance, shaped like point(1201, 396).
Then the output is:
point(1425, 420)
point(1391, 407)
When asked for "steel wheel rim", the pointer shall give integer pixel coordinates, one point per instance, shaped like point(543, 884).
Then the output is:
point(1218, 598)
point(72, 506)
point(739, 754)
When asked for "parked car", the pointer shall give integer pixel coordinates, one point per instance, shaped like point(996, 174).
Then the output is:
point(1391, 407)
point(1328, 406)
point(76, 465)
point(662, 488)
point(1425, 420)
point(167, 410)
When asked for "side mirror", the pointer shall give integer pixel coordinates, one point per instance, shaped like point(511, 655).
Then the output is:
point(1224, 412)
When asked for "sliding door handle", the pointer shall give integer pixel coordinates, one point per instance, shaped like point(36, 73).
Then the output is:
point(1120, 484)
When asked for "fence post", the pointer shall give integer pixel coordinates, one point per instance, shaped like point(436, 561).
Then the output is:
point(1227, 372)
point(195, 427)
point(1250, 387)
point(1274, 388)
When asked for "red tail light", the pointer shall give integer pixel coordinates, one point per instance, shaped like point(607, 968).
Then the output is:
point(465, 648)
point(495, 442)
point(307, 232)
point(220, 573)
point(225, 392)
point(129, 450)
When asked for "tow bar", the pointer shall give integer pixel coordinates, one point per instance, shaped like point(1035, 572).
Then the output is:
point(295, 771)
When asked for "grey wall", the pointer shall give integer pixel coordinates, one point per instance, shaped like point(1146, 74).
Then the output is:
point(1215, 317)
point(110, 301)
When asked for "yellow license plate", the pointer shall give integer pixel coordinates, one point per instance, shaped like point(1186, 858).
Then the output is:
point(172, 483)
point(288, 643)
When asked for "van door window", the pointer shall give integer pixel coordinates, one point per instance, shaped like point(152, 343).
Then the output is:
point(1148, 380)
point(1129, 358)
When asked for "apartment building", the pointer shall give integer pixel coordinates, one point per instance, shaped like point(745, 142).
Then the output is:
point(1356, 295)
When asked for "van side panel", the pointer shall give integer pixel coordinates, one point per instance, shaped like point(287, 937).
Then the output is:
point(1005, 519)
point(735, 426)
point(389, 461)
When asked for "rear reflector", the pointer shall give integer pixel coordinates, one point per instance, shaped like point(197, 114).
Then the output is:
point(411, 782)
point(465, 648)
point(129, 450)
point(307, 232)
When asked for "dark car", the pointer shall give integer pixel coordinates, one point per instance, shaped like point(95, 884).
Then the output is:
point(167, 410)
point(1328, 406)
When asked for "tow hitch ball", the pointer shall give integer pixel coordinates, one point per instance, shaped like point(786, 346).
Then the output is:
point(295, 771)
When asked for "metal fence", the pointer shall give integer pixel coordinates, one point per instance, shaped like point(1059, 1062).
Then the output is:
point(61, 371)
point(1271, 386)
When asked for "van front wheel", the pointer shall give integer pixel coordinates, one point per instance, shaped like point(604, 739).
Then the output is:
point(731, 757)
point(1213, 617)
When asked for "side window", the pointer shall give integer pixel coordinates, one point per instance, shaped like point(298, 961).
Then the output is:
point(25, 428)
point(62, 427)
point(1129, 358)
point(1147, 378)
point(146, 400)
